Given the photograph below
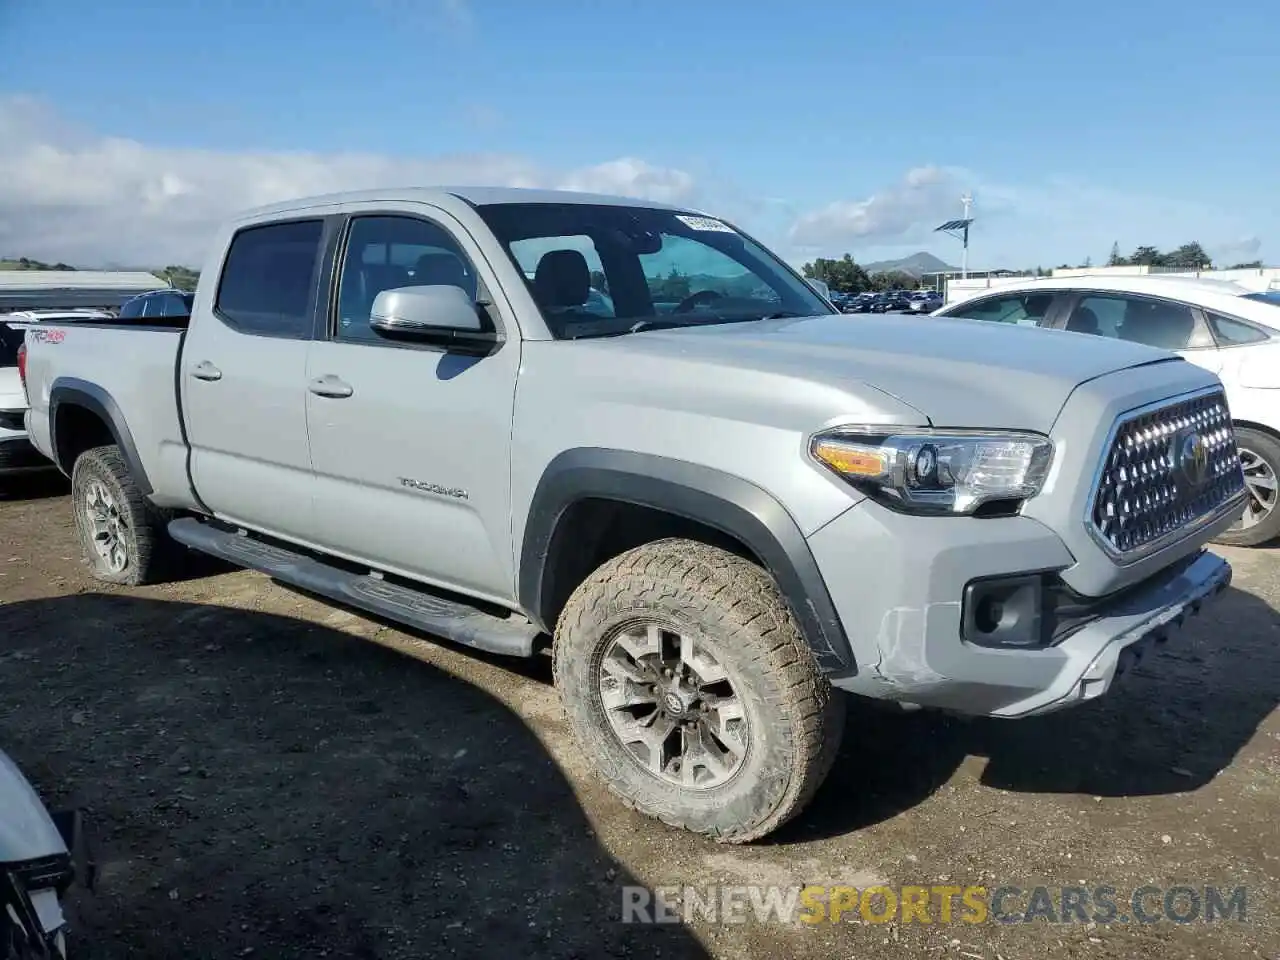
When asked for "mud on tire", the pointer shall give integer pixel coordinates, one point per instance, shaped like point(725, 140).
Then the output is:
point(123, 537)
point(733, 612)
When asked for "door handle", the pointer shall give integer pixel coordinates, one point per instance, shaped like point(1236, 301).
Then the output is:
point(204, 370)
point(330, 386)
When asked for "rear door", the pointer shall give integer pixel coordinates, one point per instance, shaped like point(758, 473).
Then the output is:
point(243, 378)
point(411, 444)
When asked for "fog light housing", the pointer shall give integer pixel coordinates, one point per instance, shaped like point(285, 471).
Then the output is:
point(1004, 612)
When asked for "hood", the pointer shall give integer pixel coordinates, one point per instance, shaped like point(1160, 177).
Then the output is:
point(12, 396)
point(957, 373)
point(26, 829)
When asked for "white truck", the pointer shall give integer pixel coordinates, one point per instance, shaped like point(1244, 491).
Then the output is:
point(718, 500)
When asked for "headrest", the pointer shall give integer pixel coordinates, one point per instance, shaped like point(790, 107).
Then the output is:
point(1084, 320)
point(440, 269)
point(562, 279)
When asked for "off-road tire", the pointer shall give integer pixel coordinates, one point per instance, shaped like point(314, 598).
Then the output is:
point(795, 718)
point(152, 555)
point(1267, 448)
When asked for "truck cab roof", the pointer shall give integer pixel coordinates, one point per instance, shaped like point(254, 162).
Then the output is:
point(476, 196)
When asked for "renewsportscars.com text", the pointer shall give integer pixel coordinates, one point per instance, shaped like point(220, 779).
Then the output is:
point(936, 904)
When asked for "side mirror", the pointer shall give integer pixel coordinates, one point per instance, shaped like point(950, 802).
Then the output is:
point(440, 314)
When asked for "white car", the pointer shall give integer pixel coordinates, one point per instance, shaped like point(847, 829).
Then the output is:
point(1219, 325)
point(17, 455)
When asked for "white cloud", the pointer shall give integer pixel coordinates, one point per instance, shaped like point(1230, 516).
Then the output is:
point(656, 183)
point(81, 197)
point(1041, 222)
point(924, 198)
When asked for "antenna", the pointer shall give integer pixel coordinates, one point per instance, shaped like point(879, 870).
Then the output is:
point(960, 230)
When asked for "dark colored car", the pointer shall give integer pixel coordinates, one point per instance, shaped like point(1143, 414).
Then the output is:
point(157, 303)
point(894, 301)
point(860, 303)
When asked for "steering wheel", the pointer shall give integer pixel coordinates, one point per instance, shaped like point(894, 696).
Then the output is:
point(696, 300)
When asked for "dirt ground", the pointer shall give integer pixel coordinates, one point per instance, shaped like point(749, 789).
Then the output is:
point(263, 781)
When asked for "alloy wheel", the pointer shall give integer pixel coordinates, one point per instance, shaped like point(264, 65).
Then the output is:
point(1261, 484)
point(672, 706)
point(107, 526)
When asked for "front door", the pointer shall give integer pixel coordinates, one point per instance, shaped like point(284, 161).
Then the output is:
point(243, 380)
point(410, 443)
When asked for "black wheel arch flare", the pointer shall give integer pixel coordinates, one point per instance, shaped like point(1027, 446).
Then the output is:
point(729, 504)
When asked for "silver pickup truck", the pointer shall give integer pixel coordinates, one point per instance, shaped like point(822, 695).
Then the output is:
point(516, 419)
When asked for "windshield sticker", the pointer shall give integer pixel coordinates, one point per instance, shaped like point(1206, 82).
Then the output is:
point(704, 223)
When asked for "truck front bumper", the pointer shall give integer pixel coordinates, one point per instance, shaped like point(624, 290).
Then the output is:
point(904, 588)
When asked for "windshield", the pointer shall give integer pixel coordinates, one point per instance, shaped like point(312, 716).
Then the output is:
point(601, 270)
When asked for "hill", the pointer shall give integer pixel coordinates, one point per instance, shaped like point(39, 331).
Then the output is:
point(24, 263)
point(916, 265)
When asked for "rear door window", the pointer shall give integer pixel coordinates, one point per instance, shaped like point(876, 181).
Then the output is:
point(1165, 324)
point(269, 279)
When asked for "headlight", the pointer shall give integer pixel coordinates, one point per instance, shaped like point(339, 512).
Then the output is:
point(928, 471)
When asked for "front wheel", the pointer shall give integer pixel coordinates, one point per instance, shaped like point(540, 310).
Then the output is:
point(691, 691)
point(1260, 522)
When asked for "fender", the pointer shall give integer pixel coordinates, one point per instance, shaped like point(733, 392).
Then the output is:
point(736, 507)
point(81, 393)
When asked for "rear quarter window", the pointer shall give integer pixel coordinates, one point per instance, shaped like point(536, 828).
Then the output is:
point(1230, 332)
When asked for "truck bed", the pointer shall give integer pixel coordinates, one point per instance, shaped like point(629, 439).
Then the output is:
point(131, 369)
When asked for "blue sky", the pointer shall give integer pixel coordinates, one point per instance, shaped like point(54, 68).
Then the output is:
point(820, 126)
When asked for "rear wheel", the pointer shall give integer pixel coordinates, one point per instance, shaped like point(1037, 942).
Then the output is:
point(691, 691)
point(123, 537)
point(1260, 458)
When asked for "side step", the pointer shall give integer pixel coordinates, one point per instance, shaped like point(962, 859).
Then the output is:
point(512, 636)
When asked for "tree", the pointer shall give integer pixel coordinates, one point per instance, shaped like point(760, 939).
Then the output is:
point(1147, 257)
point(893, 280)
point(1088, 262)
point(1189, 256)
point(1115, 260)
point(183, 278)
point(1251, 265)
point(842, 276)
point(673, 287)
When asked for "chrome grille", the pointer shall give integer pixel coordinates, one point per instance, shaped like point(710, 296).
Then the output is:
point(1166, 469)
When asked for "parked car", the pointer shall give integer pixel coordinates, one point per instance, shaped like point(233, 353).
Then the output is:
point(718, 517)
point(924, 301)
point(860, 303)
point(891, 302)
point(42, 855)
point(157, 303)
point(1215, 324)
point(17, 455)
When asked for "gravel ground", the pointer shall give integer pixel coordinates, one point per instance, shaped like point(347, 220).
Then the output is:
point(264, 781)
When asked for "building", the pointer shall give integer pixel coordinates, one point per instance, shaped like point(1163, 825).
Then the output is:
point(63, 289)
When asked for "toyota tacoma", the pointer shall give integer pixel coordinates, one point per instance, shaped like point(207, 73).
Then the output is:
point(627, 431)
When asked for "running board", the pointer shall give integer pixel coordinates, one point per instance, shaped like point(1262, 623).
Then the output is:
point(511, 636)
